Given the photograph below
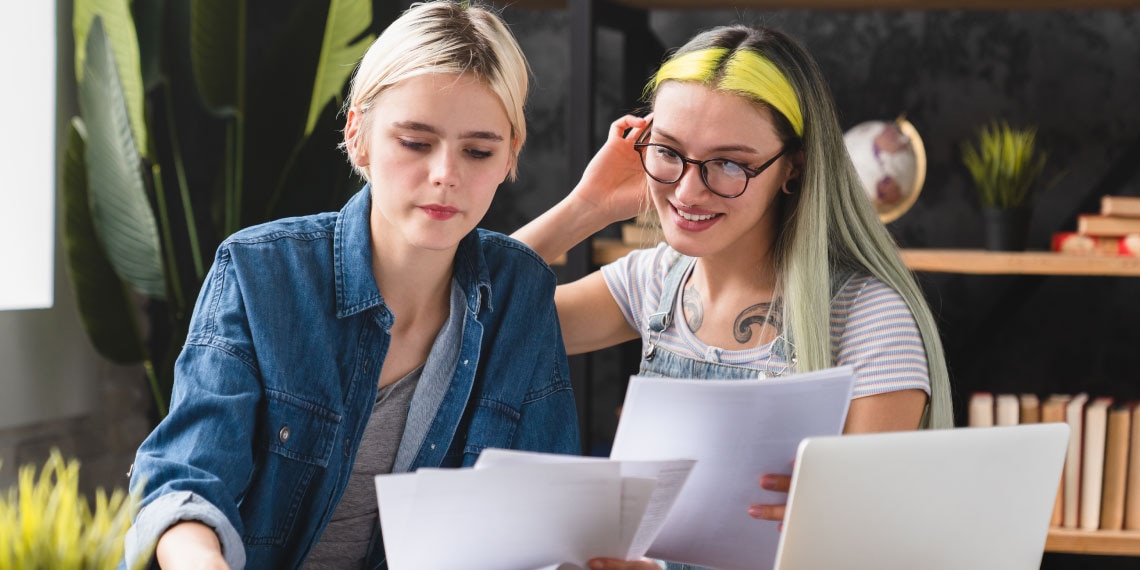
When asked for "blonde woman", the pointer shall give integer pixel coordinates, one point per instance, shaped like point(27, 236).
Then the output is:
point(388, 336)
point(773, 262)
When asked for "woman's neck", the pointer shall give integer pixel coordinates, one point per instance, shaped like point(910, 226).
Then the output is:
point(415, 283)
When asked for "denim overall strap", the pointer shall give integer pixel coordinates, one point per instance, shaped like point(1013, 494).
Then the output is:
point(663, 317)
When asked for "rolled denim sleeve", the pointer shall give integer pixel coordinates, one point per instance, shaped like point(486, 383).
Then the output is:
point(170, 509)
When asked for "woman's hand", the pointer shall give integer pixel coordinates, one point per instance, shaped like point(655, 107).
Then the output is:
point(612, 189)
point(614, 182)
point(779, 484)
point(190, 545)
point(614, 564)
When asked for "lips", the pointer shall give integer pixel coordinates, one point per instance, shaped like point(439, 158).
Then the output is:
point(439, 212)
point(694, 219)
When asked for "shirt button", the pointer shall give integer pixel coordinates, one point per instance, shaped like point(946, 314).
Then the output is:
point(283, 435)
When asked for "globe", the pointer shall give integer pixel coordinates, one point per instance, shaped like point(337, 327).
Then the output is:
point(891, 162)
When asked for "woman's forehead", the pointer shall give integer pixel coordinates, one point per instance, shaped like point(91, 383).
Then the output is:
point(692, 111)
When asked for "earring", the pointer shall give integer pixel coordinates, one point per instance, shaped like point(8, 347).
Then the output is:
point(791, 186)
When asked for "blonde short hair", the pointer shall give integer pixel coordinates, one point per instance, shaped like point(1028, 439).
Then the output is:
point(451, 38)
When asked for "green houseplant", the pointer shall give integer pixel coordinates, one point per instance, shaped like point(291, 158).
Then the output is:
point(46, 523)
point(1005, 165)
point(188, 131)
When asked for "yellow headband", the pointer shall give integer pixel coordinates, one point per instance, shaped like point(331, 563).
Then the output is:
point(746, 72)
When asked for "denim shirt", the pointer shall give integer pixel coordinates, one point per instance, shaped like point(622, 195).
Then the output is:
point(279, 373)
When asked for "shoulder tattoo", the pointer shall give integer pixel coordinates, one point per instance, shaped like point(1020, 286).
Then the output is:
point(694, 308)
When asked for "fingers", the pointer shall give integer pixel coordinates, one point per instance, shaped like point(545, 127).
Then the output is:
point(771, 482)
point(778, 483)
point(628, 127)
point(767, 512)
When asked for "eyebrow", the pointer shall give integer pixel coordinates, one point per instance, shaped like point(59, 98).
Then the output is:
point(725, 148)
point(426, 128)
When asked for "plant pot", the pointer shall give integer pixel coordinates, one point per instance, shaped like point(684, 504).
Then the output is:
point(1007, 229)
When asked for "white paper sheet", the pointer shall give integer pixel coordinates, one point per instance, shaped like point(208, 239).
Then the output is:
point(737, 430)
point(516, 518)
point(649, 489)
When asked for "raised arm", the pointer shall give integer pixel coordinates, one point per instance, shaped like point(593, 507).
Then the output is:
point(611, 189)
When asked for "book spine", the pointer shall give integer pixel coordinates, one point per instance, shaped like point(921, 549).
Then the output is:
point(1109, 226)
point(1132, 487)
point(1122, 206)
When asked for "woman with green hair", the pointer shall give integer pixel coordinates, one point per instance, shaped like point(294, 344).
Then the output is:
point(774, 261)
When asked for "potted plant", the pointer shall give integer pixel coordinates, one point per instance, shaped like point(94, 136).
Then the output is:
point(1005, 165)
point(47, 523)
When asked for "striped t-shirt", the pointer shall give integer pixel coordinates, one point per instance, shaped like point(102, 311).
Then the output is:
point(872, 329)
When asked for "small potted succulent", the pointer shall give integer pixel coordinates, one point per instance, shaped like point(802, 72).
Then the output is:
point(1005, 164)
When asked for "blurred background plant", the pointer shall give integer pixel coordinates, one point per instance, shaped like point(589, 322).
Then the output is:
point(1004, 164)
point(197, 118)
point(46, 523)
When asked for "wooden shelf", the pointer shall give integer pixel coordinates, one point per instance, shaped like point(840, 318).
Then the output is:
point(969, 261)
point(1108, 542)
point(1021, 262)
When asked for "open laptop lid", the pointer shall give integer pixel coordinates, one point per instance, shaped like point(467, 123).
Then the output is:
point(945, 499)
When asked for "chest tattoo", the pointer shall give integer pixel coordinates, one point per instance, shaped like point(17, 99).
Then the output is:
point(758, 316)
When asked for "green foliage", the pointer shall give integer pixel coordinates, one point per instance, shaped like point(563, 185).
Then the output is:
point(1005, 164)
point(46, 523)
point(183, 138)
point(102, 297)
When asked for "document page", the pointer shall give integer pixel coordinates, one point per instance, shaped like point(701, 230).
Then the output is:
point(736, 430)
point(511, 518)
point(649, 489)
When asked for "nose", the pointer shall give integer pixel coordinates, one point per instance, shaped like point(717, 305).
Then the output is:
point(690, 189)
point(444, 169)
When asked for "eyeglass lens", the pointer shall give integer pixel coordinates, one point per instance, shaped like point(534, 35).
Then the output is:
point(723, 177)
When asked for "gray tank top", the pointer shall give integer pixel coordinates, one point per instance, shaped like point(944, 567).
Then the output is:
point(345, 541)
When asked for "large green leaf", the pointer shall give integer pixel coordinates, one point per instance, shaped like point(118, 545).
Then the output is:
point(124, 220)
point(104, 305)
point(119, 27)
point(342, 47)
point(217, 52)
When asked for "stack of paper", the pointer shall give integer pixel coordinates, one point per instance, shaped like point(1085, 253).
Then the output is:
point(521, 511)
point(683, 472)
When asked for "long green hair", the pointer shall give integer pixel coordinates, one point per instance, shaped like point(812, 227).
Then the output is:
point(828, 226)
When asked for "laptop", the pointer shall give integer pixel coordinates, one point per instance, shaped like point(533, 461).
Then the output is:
point(966, 498)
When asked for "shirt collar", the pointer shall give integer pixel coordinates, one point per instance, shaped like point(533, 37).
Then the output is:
point(356, 289)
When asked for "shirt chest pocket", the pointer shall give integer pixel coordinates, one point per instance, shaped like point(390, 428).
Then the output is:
point(299, 430)
point(296, 440)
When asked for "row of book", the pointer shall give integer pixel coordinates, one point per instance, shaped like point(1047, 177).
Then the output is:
point(1100, 482)
point(1114, 231)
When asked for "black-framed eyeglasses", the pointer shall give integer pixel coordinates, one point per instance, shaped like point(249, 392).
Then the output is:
point(723, 177)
